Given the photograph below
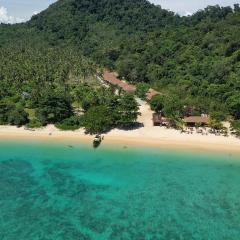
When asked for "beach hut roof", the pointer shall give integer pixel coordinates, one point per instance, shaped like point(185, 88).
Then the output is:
point(112, 78)
point(197, 119)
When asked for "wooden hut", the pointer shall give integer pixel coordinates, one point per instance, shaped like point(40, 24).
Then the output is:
point(193, 121)
point(160, 120)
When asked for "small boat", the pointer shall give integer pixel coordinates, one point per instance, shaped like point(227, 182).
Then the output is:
point(97, 141)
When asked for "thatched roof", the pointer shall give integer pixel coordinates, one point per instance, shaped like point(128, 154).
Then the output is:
point(197, 119)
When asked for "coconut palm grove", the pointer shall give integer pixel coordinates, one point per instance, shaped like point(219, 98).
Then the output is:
point(50, 64)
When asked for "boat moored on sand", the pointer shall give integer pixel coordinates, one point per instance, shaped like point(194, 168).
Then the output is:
point(97, 141)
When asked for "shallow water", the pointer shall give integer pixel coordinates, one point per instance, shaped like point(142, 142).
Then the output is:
point(60, 191)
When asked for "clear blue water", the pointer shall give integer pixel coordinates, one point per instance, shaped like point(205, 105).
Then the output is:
point(53, 191)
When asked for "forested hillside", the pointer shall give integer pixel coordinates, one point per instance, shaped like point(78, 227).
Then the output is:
point(195, 59)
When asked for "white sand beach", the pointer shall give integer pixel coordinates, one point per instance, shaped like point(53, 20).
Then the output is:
point(148, 135)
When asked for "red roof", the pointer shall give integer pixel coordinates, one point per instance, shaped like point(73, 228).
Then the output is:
point(112, 78)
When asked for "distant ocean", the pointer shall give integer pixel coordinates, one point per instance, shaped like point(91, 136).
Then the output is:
point(69, 191)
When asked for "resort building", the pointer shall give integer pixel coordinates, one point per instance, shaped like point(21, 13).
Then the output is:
point(160, 120)
point(112, 78)
point(193, 121)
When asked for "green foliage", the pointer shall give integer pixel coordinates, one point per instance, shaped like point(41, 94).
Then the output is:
point(54, 108)
point(13, 114)
point(236, 127)
point(120, 110)
point(34, 123)
point(234, 105)
point(5, 108)
point(176, 122)
point(90, 100)
point(71, 123)
point(193, 60)
point(218, 116)
point(127, 111)
point(157, 103)
point(18, 117)
point(136, 15)
point(215, 124)
point(98, 120)
point(142, 89)
point(111, 111)
point(173, 108)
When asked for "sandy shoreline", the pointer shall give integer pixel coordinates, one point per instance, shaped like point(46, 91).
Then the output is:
point(149, 136)
point(157, 137)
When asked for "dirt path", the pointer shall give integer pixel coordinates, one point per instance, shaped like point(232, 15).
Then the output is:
point(146, 113)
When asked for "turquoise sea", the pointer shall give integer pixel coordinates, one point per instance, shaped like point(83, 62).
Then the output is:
point(61, 191)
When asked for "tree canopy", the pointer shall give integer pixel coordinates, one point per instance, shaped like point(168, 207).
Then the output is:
point(194, 60)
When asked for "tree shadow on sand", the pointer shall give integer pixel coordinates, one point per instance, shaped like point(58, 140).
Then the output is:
point(134, 126)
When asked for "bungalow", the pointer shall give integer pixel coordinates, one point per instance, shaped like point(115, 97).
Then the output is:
point(160, 120)
point(193, 121)
point(112, 78)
